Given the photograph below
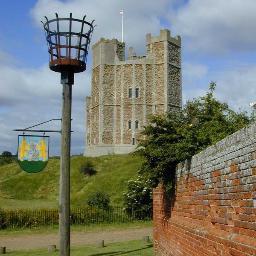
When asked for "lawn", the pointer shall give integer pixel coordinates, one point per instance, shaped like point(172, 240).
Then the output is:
point(77, 228)
point(131, 248)
point(19, 189)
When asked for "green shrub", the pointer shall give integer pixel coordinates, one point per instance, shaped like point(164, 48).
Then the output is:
point(99, 200)
point(6, 158)
point(6, 154)
point(138, 198)
point(88, 168)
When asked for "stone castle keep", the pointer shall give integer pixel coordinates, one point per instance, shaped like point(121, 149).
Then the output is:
point(125, 92)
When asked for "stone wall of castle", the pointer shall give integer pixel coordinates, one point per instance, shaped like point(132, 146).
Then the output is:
point(126, 92)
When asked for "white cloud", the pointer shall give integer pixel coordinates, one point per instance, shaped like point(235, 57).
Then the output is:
point(194, 70)
point(237, 86)
point(140, 17)
point(193, 78)
point(217, 26)
point(30, 96)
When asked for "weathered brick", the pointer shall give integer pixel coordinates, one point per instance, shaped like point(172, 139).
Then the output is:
point(213, 212)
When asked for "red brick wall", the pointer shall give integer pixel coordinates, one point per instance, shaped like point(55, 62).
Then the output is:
point(214, 211)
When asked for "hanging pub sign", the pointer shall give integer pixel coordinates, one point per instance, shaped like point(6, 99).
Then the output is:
point(33, 152)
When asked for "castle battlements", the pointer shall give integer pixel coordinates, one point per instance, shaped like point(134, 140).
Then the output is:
point(112, 51)
point(165, 35)
point(107, 41)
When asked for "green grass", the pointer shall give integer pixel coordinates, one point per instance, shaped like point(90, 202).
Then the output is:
point(78, 228)
point(131, 248)
point(19, 189)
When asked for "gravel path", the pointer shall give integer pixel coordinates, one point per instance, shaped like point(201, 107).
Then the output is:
point(77, 238)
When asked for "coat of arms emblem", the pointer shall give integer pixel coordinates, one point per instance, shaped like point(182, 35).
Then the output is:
point(33, 152)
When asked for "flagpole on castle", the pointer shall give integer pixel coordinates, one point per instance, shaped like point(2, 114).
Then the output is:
point(122, 15)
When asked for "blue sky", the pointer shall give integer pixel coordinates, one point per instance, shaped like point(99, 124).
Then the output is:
point(19, 35)
point(218, 44)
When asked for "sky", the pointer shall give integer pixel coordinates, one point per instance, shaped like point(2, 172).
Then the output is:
point(218, 44)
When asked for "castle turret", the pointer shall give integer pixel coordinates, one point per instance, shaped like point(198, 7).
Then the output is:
point(166, 52)
point(108, 52)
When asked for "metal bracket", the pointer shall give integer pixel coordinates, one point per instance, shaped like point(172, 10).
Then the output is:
point(44, 131)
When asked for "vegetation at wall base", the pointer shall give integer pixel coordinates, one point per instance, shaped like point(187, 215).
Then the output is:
point(138, 198)
point(175, 137)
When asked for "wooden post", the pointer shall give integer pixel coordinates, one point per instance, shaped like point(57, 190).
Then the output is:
point(146, 239)
point(3, 250)
point(101, 243)
point(67, 80)
point(52, 248)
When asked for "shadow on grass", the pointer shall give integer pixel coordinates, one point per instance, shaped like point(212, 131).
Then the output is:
point(121, 252)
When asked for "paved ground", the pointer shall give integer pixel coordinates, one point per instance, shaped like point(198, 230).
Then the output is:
point(77, 238)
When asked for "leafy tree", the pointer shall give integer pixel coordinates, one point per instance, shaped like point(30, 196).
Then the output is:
point(6, 158)
point(6, 154)
point(174, 137)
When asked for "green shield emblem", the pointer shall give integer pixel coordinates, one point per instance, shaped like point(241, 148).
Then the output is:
point(33, 152)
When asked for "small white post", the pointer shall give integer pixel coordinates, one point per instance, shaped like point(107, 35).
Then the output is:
point(122, 15)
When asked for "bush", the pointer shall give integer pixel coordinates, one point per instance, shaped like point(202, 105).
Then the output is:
point(6, 154)
point(6, 158)
point(88, 168)
point(138, 198)
point(99, 200)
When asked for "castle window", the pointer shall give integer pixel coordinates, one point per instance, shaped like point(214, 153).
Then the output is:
point(130, 93)
point(133, 141)
point(129, 124)
point(136, 124)
point(136, 92)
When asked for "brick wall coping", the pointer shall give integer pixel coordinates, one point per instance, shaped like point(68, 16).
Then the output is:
point(239, 137)
point(223, 153)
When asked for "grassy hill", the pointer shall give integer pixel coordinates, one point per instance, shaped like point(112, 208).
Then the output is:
point(19, 189)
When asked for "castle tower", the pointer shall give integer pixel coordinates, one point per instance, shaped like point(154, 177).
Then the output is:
point(125, 92)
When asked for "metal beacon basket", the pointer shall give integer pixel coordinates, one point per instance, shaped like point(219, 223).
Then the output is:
point(68, 40)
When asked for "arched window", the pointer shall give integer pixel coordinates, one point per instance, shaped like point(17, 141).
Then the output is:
point(130, 93)
point(129, 124)
point(136, 124)
point(136, 92)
